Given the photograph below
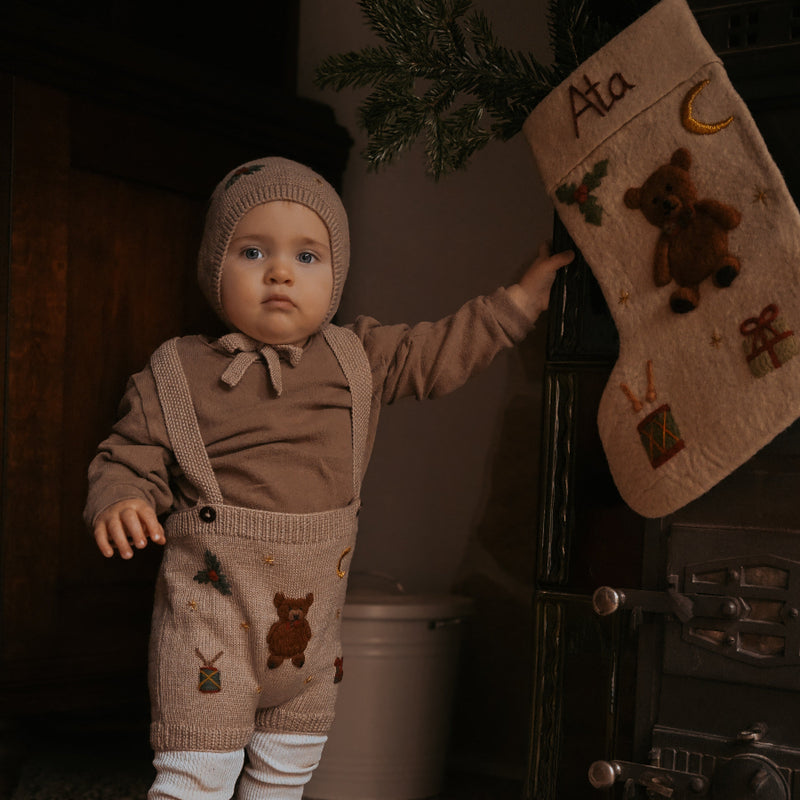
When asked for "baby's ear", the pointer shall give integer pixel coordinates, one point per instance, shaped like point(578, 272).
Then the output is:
point(633, 198)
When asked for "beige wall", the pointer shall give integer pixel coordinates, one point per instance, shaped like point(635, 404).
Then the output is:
point(450, 500)
point(420, 249)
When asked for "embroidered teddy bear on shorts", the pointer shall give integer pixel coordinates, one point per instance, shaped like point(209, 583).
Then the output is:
point(693, 244)
point(289, 636)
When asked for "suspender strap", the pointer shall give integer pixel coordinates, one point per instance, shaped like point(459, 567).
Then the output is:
point(181, 421)
point(353, 360)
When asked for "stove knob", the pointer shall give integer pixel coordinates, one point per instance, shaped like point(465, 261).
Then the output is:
point(606, 600)
point(603, 774)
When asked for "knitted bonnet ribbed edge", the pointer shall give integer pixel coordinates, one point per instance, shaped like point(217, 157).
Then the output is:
point(262, 181)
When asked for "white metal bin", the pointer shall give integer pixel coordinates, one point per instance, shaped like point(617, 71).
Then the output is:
point(393, 714)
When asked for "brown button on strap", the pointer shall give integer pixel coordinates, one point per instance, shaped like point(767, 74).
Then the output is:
point(207, 514)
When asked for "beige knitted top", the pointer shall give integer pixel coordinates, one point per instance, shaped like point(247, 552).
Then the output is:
point(280, 439)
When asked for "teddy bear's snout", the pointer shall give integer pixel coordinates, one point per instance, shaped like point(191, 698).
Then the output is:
point(670, 204)
point(295, 614)
point(668, 207)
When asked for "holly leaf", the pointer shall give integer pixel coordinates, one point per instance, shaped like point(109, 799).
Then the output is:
point(592, 179)
point(592, 210)
point(213, 574)
point(566, 193)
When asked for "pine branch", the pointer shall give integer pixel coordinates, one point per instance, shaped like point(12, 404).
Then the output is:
point(443, 75)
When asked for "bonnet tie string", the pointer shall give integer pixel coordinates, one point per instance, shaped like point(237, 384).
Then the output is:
point(248, 350)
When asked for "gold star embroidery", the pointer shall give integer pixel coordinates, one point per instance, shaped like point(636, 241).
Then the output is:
point(192, 605)
point(624, 296)
point(258, 690)
point(245, 626)
point(760, 195)
point(716, 339)
point(309, 679)
point(269, 561)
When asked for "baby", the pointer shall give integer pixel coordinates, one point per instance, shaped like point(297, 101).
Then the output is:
point(255, 444)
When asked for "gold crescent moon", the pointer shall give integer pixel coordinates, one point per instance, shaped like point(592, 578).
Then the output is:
point(339, 571)
point(693, 125)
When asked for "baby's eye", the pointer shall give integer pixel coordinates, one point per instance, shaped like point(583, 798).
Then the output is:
point(251, 253)
point(306, 258)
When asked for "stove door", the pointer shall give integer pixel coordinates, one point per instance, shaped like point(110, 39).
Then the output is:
point(719, 668)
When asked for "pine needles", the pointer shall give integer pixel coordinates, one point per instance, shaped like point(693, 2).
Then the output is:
point(443, 75)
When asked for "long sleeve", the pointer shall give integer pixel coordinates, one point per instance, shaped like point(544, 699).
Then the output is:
point(135, 460)
point(431, 359)
point(290, 453)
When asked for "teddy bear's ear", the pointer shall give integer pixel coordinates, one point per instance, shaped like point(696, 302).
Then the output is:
point(310, 598)
point(633, 198)
point(280, 598)
point(681, 158)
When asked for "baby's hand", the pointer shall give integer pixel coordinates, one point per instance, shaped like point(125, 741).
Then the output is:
point(126, 522)
point(532, 292)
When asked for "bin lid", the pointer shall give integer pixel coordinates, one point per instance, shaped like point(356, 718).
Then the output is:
point(371, 604)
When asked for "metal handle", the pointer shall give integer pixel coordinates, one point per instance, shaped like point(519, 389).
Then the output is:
point(607, 600)
point(658, 781)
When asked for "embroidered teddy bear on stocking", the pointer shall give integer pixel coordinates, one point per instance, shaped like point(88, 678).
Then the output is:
point(659, 173)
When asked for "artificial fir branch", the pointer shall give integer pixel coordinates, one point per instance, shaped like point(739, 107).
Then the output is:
point(443, 75)
point(440, 75)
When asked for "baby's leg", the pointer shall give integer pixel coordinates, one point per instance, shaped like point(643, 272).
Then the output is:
point(189, 775)
point(279, 765)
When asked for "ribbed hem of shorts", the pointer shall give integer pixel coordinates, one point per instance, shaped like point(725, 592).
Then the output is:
point(195, 737)
point(276, 719)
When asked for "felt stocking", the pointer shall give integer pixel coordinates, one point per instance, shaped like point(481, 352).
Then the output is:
point(659, 173)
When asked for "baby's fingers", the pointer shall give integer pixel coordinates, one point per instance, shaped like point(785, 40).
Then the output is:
point(554, 261)
point(132, 526)
point(119, 537)
point(152, 527)
point(102, 539)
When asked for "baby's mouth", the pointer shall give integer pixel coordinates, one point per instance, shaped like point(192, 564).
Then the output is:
point(278, 301)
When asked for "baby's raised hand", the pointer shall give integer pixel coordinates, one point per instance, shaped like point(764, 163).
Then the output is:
point(127, 522)
point(532, 292)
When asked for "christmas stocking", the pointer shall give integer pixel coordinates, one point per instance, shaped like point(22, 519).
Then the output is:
point(660, 175)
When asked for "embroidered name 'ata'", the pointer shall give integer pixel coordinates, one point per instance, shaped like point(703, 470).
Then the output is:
point(590, 98)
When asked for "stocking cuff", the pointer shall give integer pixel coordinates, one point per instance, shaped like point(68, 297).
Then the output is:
point(608, 90)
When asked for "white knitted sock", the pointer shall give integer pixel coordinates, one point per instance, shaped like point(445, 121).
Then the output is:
point(280, 765)
point(190, 775)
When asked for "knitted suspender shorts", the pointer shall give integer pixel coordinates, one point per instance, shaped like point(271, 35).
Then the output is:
point(246, 619)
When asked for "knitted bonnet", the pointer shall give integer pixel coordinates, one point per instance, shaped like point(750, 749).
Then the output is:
point(263, 181)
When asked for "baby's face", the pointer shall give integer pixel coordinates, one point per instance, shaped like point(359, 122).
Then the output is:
point(277, 277)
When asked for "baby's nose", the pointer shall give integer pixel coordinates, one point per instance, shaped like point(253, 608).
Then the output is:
point(279, 272)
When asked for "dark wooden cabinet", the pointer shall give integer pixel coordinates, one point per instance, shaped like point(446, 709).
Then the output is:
point(110, 145)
